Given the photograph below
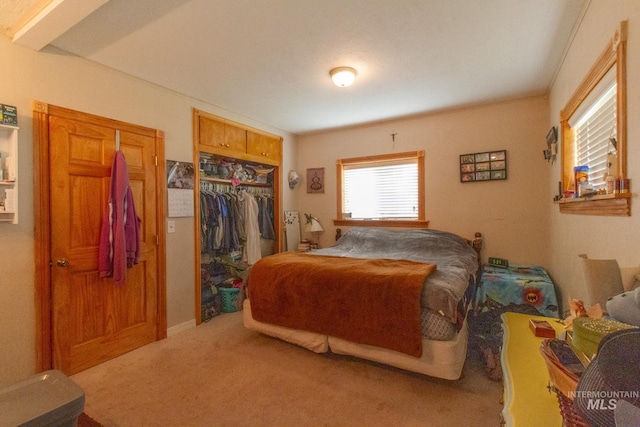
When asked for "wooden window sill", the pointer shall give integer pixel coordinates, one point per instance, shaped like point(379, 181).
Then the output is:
point(605, 205)
point(381, 223)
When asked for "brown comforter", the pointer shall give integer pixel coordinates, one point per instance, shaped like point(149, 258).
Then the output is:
point(366, 301)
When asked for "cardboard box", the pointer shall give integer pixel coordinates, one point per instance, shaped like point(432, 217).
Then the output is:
point(542, 328)
point(8, 115)
point(581, 177)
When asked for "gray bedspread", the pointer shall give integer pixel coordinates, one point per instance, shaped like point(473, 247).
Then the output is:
point(456, 261)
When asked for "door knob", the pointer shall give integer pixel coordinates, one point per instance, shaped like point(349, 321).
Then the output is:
point(62, 263)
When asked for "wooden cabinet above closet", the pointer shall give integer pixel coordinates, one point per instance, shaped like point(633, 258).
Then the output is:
point(224, 137)
point(264, 146)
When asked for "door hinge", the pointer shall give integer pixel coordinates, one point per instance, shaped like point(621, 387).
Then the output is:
point(156, 161)
point(157, 240)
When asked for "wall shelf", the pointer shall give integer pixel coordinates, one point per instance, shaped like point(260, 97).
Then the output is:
point(9, 187)
point(617, 204)
point(228, 181)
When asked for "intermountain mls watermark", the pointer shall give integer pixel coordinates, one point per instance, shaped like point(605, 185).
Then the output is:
point(604, 400)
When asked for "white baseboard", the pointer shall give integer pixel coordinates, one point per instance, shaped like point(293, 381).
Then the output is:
point(181, 327)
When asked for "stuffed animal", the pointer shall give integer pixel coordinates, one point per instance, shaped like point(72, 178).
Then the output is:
point(578, 309)
point(625, 307)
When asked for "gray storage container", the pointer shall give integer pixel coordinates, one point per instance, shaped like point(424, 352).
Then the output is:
point(47, 399)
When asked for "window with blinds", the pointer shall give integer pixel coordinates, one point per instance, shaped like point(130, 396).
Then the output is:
point(385, 190)
point(593, 131)
point(381, 190)
point(592, 117)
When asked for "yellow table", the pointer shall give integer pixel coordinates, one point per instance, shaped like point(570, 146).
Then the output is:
point(527, 400)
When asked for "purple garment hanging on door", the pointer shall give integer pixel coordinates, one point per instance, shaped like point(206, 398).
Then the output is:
point(119, 246)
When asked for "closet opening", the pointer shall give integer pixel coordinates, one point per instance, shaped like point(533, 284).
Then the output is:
point(237, 212)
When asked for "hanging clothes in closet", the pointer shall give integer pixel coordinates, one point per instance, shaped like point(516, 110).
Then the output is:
point(265, 217)
point(233, 219)
point(233, 222)
point(221, 222)
point(252, 252)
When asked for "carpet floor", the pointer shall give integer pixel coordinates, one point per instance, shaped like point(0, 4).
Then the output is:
point(221, 374)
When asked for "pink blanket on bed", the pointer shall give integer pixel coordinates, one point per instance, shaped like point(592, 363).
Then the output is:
point(366, 301)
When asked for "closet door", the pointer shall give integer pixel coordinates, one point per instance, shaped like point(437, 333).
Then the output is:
point(220, 135)
point(264, 146)
point(211, 132)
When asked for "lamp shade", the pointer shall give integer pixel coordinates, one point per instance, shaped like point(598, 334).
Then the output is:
point(314, 226)
point(343, 76)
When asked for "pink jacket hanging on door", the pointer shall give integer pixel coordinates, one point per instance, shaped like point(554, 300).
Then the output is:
point(120, 233)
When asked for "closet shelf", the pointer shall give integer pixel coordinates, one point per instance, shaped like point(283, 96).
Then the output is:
point(228, 181)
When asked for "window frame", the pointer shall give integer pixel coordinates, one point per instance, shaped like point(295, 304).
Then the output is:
point(420, 222)
point(614, 55)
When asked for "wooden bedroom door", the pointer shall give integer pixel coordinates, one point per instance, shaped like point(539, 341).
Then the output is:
point(91, 319)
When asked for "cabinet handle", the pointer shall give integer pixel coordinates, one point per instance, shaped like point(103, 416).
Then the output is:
point(62, 263)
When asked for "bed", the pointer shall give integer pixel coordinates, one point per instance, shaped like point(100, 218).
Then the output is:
point(397, 297)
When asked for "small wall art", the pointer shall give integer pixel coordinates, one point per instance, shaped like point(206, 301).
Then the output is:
point(552, 145)
point(179, 175)
point(315, 180)
point(486, 166)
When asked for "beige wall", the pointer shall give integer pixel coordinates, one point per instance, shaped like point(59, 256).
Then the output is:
point(511, 214)
point(63, 80)
point(598, 237)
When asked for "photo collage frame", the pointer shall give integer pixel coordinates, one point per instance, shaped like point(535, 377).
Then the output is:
point(485, 166)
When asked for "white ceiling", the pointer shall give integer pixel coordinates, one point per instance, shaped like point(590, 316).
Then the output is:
point(269, 60)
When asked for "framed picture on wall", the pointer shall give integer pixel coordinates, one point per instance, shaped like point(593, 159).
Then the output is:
point(485, 166)
point(315, 180)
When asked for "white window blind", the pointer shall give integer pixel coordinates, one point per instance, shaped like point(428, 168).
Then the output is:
point(384, 190)
point(593, 129)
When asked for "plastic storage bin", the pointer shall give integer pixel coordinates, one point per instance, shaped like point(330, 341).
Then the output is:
point(229, 296)
point(47, 399)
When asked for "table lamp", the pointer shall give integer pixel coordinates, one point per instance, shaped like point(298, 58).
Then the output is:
point(313, 226)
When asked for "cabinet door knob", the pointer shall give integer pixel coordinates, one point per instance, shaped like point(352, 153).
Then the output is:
point(62, 263)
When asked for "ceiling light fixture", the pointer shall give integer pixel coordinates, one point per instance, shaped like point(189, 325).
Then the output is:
point(343, 76)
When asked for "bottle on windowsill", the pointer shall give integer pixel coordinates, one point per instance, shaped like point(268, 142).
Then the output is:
point(610, 183)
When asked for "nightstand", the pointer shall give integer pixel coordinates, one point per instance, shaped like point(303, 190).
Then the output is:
point(517, 285)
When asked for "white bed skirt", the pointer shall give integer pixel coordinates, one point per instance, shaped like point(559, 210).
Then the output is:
point(440, 359)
